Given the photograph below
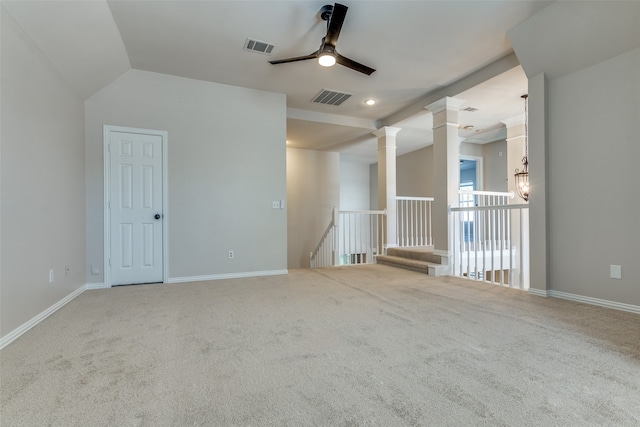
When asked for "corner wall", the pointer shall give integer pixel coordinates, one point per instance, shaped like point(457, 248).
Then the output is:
point(313, 189)
point(226, 161)
point(495, 173)
point(594, 206)
point(42, 179)
point(354, 185)
point(414, 173)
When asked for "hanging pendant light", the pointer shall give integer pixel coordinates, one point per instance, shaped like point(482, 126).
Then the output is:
point(522, 176)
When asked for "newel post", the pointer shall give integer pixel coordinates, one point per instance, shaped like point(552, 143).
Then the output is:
point(335, 219)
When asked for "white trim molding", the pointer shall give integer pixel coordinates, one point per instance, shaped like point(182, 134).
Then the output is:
point(595, 301)
point(539, 292)
point(227, 276)
point(20, 330)
point(91, 286)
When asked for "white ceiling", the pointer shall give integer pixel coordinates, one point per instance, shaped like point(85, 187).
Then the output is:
point(420, 49)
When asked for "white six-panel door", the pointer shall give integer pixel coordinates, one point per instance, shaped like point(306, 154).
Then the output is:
point(135, 208)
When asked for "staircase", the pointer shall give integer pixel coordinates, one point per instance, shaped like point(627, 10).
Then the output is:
point(416, 258)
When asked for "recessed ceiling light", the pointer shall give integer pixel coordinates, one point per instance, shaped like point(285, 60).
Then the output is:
point(370, 101)
point(468, 127)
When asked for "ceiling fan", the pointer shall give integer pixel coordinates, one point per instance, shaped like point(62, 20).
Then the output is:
point(327, 54)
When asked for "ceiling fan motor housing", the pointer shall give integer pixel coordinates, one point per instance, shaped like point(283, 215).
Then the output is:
point(325, 12)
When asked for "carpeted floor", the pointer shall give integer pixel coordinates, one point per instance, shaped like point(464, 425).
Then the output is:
point(358, 346)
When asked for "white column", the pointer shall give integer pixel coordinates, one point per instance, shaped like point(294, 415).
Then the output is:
point(387, 179)
point(446, 170)
point(515, 151)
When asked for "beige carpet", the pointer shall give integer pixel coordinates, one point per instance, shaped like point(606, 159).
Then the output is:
point(358, 346)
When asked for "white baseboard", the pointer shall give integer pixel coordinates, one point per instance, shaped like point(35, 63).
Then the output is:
point(227, 276)
point(13, 335)
point(595, 301)
point(538, 292)
point(96, 286)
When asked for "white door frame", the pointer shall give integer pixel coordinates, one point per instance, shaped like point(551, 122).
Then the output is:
point(479, 170)
point(107, 191)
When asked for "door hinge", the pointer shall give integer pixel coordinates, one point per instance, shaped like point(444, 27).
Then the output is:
point(109, 147)
point(109, 262)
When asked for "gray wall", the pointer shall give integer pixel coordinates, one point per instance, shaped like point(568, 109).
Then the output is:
point(495, 174)
point(414, 173)
point(42, 175)
point(469, 149)
point(226, 164)
point(594, 208)
point(373, 186)
point(354, 184)
point(313, 189)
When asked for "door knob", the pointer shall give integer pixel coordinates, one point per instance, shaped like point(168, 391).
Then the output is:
point(157, 216)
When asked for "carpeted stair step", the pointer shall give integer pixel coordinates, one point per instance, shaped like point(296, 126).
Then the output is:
point(426, 267)
point(420, 253)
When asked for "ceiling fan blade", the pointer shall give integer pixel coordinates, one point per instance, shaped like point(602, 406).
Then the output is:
point(343, 60)
point(295, 58)
point(335, 24)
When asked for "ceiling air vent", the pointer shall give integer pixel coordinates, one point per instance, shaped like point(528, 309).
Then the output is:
point(470, 109)
point(258, 46)
point(331, 97)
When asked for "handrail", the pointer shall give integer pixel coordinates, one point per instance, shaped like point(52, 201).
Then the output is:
point(509, 194)
point(488, 208)
point(324, 236)
point(427, 199)
point(364, 212)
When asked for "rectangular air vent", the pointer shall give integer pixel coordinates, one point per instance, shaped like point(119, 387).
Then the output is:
point(470, 109)
point(258, 46)
point(330, 97)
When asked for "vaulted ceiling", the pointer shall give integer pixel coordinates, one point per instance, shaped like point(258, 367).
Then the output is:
point(421, 50)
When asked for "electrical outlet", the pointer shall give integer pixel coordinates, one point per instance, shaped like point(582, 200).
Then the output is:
point(95, 270)
point(230, 254)
point(615, 271)
point(51, 276)
point(275, 204)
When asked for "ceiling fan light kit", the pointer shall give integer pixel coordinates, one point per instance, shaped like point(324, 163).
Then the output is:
point(327, 54)
point(327, 60)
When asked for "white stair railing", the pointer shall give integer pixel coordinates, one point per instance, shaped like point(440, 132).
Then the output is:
point(491, 243)
point(361, 236)
point(325, 254)
point(483, 198)
point(352, 237)
point(413, 216)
